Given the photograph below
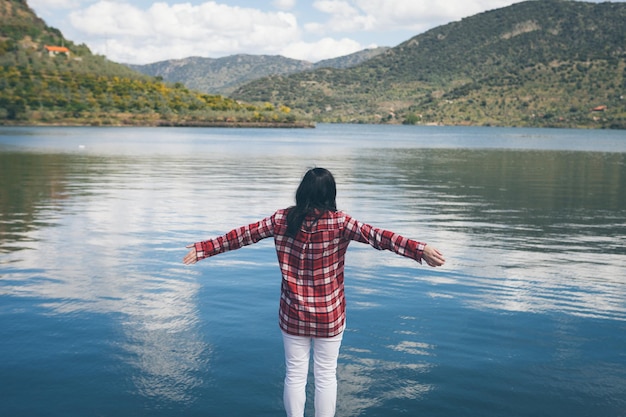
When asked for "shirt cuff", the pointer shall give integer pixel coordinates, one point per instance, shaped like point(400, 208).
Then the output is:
point(420, 251)
point(200, 253)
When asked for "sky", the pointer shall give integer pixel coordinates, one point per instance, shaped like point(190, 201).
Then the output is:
point(143, 32)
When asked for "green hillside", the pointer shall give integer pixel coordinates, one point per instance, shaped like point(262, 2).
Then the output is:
point(67, 84)
point(535, 63)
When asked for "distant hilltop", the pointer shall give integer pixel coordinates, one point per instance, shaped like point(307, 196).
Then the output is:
point(224, 75)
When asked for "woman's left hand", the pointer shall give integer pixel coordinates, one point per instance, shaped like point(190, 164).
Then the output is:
point(432, 256)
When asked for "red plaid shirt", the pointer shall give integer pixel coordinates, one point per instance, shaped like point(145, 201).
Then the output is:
point(312, 300)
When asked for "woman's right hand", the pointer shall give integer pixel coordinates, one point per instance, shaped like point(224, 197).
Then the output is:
point(191, 257)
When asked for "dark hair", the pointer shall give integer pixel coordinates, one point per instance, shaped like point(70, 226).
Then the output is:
point(316, 193)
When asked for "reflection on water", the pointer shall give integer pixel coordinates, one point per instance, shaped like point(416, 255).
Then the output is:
point(358, 373)
point(94, 221)
point(554, 226)
point(163, 341)
point(88, 260)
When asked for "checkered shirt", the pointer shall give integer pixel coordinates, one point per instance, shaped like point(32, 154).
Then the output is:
point(312, 300)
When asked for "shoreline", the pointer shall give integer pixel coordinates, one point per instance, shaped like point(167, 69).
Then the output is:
point(162, 123)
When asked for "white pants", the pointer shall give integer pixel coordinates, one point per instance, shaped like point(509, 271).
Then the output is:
point(325, 354)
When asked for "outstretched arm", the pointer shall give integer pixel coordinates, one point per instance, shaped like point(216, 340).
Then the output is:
point(235, 239)
point(385, 239)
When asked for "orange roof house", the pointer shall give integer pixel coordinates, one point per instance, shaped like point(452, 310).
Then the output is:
point(56, 50)
point(599, 108)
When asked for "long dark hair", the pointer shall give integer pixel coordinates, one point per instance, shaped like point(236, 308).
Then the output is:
point(316, 194)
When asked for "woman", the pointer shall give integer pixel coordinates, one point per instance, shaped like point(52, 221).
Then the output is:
point(311, 239)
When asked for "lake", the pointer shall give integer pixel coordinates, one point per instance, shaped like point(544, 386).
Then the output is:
point(99, 317)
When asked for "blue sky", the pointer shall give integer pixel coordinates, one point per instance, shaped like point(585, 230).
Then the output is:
point(142, 31)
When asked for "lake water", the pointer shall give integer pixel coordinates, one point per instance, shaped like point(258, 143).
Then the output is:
point(99, 317)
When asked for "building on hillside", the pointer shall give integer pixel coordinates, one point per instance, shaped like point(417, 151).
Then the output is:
point(57, 50)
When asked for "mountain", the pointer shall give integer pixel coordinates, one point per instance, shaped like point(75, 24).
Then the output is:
point(47, 79)
point(224, 75)
point(535, 63)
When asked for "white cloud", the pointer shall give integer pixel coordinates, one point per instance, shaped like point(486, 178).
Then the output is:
point(394, 15)
point(109, 18)
point(323, 49)
point(53, 4)
point(284, 4)
point(129, 34)
point(418, 13)
point(343, 17)
point(335, 7)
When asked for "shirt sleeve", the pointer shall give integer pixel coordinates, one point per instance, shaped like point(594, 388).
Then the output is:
point(383, 239)
point(236, 238)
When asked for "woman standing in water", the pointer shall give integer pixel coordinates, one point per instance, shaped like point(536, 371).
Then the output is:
point(311, 239)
